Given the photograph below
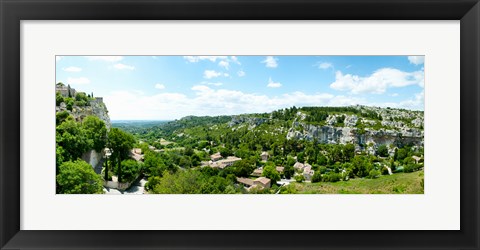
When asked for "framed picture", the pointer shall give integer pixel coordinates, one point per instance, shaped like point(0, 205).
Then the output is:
point(248, 116)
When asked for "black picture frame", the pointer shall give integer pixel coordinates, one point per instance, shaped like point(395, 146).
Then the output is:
point(13, 11)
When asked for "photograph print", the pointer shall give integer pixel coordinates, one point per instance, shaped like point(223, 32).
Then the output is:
point(239, 124)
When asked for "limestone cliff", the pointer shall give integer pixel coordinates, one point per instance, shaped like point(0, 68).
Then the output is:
point(96, 108)
point(398, 127)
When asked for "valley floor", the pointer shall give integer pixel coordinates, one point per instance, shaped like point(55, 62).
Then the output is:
point(399, 183)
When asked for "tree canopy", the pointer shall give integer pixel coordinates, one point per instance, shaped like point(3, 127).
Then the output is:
point(78, 177)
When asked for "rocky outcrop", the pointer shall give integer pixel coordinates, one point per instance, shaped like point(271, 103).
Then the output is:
point(96, 108)
point(334, 135)
point(95, 159)
point(251, 121)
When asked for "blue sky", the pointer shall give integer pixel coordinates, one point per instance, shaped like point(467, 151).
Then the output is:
point(171, 87)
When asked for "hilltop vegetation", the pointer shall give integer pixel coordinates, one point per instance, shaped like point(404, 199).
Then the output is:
point(335, 144)
point(82, 129)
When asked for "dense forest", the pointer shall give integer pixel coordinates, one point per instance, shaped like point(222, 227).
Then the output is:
point(292, 150)
point(177, 154)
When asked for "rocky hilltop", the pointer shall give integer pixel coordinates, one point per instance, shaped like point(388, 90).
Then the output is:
point(368, 127)
point(81, 109)
point(80, 105)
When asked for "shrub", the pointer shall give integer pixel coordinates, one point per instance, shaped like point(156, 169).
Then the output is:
point(317, 177)
point(331, 177)
point(130, 170)
point(299, 178)
point(373, 174)
point(78, 177)
point(59, 98)
point(382, 151)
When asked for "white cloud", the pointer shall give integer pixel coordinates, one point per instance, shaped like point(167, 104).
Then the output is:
point(72, 69)
point(417, 102)
point(78, 81)
point(58, 58)
point(159, 86)
point(224, 61)
point(241, 73)
point(105, 58)
point(213, 83)
point(235, 60)
point(394, 94)
point(208, 101)
point(378, 82)
point(194, 59)
point(208, 74)
point(272, 84)
point(270, 62)
point(325, 65)
point(122, 66)
point(416, 59)
point(224, 64)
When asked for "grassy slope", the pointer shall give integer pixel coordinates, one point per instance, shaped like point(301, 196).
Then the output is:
point(401, 183)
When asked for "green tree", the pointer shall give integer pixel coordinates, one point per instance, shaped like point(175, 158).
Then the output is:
point(299, 178)
point(322, 160)
point(73, 139)
point(61, 117)
point(242, 168)
point(382, 151)
point(317, 177)
point(59, 98)
point(153, 164)
point(96, 130)
point(336, 153)
point(288, 171)
point(69, 91)
point(189, 151)
point(271, 173)
point(301, 157)
point(349, 151)
point(331, 177)
point(225, 152)
point(182, 182)
point(78, 177)
point(130, 170)
point(69, 102)
point(373, 174)
point(121, 143)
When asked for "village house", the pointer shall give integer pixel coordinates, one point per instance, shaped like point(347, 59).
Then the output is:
point(264, 156)
point(298, 166)
point(63, 90)
point(279, 169)
point(136, 154)
point(137, 151)
point(224, 162)
point(260, 182)
point(216, 156)
point(264, 182)
point(416, 158)
point(257, 172)
point(308, 172)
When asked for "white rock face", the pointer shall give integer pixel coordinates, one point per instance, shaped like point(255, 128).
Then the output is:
point(350, 120)
point(97, 108)
point(251, 121)
point(344, 135)
point(93, 158)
